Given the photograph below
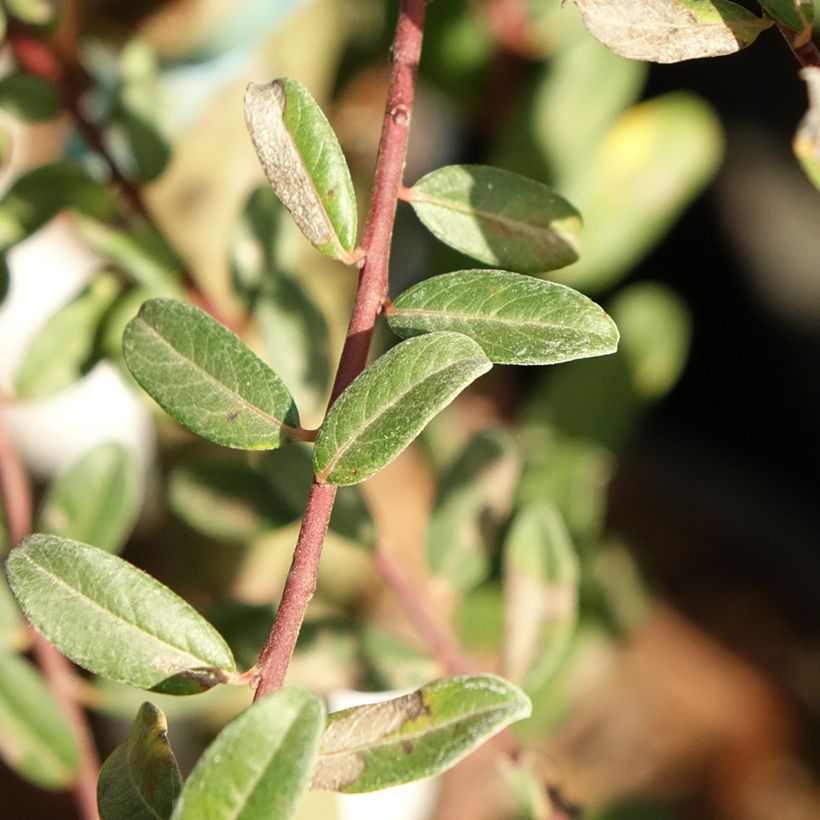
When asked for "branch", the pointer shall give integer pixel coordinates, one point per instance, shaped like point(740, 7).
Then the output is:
point(15, 492)
point(372, 291)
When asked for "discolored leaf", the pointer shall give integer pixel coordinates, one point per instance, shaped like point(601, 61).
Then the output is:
point(389, 403)
point(207, 378)
point(259, 766)
point(28, 97)
point(75, 594)
point(140, 780)
point(96, 500)
point(304, 163)
point(806, 142)
point(516, 319)
point(366, 748)
point(668, 31)
point(35, 738)
point(498, 217)
point(541, 577)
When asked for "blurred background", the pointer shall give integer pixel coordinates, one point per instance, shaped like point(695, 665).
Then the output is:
point(684, 679)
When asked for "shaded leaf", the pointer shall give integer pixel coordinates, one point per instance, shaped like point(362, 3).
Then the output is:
point(28, 97)
point(516, 319)
point(393, 662)
point(389, 403)
point(259, 765)
point(668, 31)
point(474, 497)
point(64, 349)
point(366, 748)
point(36, 740)
point(304, 163)
point(207, 378)
point(806, 142)
point(796, 14)
point(541, 577)
point(140, 780)
point(13, 633)
point(498, 217)
point(96, 500)
point(75, 594)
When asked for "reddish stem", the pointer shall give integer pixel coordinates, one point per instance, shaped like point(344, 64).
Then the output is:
point(371, 293)
point(15, 492)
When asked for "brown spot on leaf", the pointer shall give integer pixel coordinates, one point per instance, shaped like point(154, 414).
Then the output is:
point(232, 416)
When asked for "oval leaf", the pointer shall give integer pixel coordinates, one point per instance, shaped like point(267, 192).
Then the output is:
point(28, 97)
point(115, 620)
point(96, 500)
point(498, 217)
point(372, 747)
point(140, 780)
point(516, 319)
point(207, 378)
point(668, 31)
point(259, 765)
point(35, 738)
point(304, 163)
point(391, 401)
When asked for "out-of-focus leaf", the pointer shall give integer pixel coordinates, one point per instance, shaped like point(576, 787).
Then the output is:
point(28, 97)
point(668, 31)
point(140, 780)
point(227, 500)
point(541, 578)
point(527, 786)
point(35, 738)
point(64, 349)
point(207, 378)
point(474, 497)
point(37, 196)
point(796, 14)
point(480, 618)
point(516, 319)
point(115, 620)
point(366, 748)
point(646, 170)
point(96, 500)
point(497, 217)
point(393, 663)
point(389, 403)
point(12, 628)
point(260, 764)
point(304, 163)
point(806, 142)
point(34, 12)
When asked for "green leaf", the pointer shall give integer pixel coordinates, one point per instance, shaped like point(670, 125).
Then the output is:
point(140, 780)
point(304, 163)
point(207, 378)
point(64, 349)
point(668, 31)
point(379, 745)
point(796, 14)
point(226, 500)
point(474, 498)
point(259, 766)
point(389, 403)
point(37, 196)
point(36, 740)
point(34, 12)
point(806, 142)
point(13, 632)
point(393, 663)
point(541, 576)
point(115, 620)
point(497, 217)
point(96, 500)
point(516, 319)
point(28, 97)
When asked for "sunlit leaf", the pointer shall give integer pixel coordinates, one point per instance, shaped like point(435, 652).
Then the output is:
point(140, 780)
point(806, 142)
point(64, 349)
point(115, 620)
point(259, 766)
point(28, 97)
point(34, 12)
point(35, 738)
point(372, 747)
point(96, 500)
point(207, 378)
point(668, 31)
point(540, 595)
point(516, 319)
point(498, 217)
point(304, 163)
point(388, 404)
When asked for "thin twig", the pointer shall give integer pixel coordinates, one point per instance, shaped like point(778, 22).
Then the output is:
point(15, 491)
point(370, 295)
point(805, 50)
